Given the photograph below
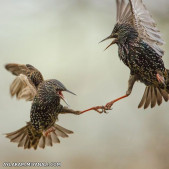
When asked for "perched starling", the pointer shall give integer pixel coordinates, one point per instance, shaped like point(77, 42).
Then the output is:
point(138, 41)
point(41, 130)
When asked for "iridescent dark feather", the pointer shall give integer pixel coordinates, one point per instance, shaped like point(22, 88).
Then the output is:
point(139, 42)
point(46, 95)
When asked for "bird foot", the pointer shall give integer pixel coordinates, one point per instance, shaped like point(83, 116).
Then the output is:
point(109, 105)
point(48, 131)
point(160, 78)
point(99, 109)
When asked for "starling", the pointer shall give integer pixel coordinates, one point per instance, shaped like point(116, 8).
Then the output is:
point(139, 40)
point(45, 95)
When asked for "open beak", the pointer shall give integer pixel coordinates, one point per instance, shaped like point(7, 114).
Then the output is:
point(110, 37)
point(70, 92)
point(63, 98)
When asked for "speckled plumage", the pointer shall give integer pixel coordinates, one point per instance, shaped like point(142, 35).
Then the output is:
point(140, 58)
point(41, 129)
point(46, 106)
point(138, 40)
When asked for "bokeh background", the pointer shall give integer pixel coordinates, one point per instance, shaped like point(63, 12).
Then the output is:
point(60, 38)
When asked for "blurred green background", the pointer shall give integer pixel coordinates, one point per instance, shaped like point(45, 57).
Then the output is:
point(60, 38)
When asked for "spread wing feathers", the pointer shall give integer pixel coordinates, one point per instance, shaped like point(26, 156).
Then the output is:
point(146, 26)
point(136, 14)
point(153, 95)
point(124, 14)
point(25, 84)
point(22, 88)
point(23, 138)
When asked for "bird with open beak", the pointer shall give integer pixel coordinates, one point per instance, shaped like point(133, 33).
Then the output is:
point(138, 40)
point(45, 95)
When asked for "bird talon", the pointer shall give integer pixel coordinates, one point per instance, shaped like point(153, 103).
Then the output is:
point(99, 109)
point(48, 131)
point(103, 109)
point(160, 78)
point(109, 105)
point(106, 112)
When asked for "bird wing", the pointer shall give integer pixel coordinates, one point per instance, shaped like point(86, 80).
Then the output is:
point(25, 84)
point(136, 14)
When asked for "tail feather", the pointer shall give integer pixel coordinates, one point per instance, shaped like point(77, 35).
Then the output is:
point(153, 95)
point(22, 140)
point(159, 96)
point(143, 98)
point(49, 140)
point(148, 98)
point(63, 129)
point(28, 137)
point(164, 94)
point(42, 142)
point(16, 135)
point(53, 137)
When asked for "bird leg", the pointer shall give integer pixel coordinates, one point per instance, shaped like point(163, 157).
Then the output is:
point(110, 104)
point(131, 81)
point(67, 110)
point(71, 111)
point(160, 78)
point(48, 131)
point(103, 109)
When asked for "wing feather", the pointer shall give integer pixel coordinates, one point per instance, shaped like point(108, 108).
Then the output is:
point(25, 84)
point(136, 14)
point(145, 25)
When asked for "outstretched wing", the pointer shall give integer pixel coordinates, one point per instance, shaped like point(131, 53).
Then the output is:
point(136, 14)
point(25, 84)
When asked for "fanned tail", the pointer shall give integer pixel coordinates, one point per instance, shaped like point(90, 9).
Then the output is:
point(53, 136)
point(28, 137)
point(152, 96)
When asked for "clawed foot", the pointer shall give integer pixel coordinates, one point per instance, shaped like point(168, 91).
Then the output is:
point(109, 105)
point(48, 131)
point(160, 78)
point(99, 109)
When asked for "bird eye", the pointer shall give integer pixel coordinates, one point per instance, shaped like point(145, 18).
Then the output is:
point(115, 35)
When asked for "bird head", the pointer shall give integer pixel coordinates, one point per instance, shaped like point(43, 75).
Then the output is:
point(121, 33)
point(59, 88)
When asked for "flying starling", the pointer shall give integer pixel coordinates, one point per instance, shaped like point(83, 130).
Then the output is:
point(139, 40)
point(45, 95)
